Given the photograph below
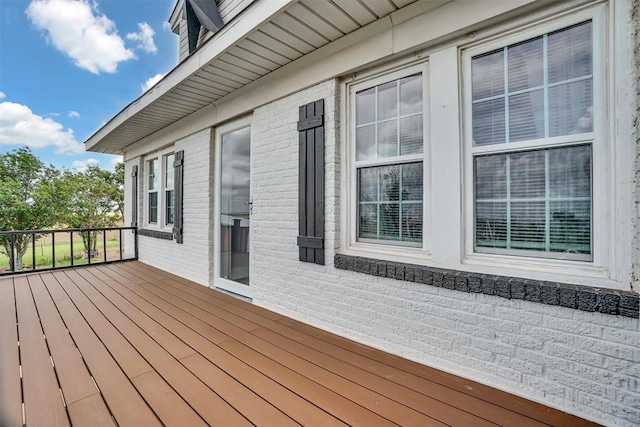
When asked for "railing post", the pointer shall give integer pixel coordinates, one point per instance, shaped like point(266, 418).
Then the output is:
point(53, 249)
point(88, 247)
point(120, 241)
point(71, 246)
point(12, 257)
point(33, 251)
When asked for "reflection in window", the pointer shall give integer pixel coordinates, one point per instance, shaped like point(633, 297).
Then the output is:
point(168, 188)
point(152, 168)
point(536, 89)
point(535, 200)
point(389, 124)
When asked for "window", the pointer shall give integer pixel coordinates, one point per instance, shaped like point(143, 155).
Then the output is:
point(388, 158)
point(532, 145)
point(160, 190)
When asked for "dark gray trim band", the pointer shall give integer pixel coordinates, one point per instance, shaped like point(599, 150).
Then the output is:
point(156, 234)
point(583, 298)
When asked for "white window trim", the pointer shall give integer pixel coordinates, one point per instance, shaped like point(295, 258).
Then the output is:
point(160, 156)
point(350, 190)
point(598, 140)
point(451, 234)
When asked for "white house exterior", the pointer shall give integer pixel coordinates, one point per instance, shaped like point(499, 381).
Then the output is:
point(478, 186)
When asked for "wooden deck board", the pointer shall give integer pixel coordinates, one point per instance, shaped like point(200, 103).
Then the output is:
point(164, 350)
point(11, 391)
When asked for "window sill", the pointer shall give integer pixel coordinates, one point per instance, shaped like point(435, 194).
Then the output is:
point(165, 235)
point(584, 298)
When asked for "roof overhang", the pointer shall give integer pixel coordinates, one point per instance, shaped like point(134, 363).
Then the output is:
point(271, 34)
point(267, 35)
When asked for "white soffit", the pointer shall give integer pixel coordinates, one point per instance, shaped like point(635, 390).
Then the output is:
point(263, 38)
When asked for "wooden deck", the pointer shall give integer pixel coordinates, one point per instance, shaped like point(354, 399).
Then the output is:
point(127, 344)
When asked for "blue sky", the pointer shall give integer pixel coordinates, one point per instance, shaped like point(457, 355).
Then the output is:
point(67, 67)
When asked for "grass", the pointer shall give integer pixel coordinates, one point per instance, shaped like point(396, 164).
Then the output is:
point(43, 258)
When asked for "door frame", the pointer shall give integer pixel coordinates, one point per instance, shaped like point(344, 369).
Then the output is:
point(219, 282)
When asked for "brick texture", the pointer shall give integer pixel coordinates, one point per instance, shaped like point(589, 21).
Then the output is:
point(488, 328)
point(192, 259)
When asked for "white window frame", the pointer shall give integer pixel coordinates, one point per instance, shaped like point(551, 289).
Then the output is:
point(161, 157)
point(598, 140)
point(350, 196)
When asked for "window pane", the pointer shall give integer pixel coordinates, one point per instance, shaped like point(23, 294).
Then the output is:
point(491, 177)
point(366, 106)
point(547, 205)
point(368, 221)
point(388, 139)
point(527, 174)
point(390, 183)
point(570, 172)
point(153, 174)
point(396, 213)
point(411, 138)
point(411, 95)
point(390, 221)
point(366, 142)
point(527, 225)
point(525, 65)
point(388, 100)
point(571, 108)
point(169, 207)
point(526, 116)
point(368, 184)
point(153, 207)
point(168, 173)
point(570, 53)
point(571, 227)
point(411, 222)
point(491, 224)
point(487, 73)
point(412, 175)
point(488, 122)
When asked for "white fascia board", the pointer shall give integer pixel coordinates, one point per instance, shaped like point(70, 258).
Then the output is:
point(256, 15)
point(398, 34)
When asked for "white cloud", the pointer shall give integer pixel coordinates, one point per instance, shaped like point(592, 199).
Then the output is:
point(74, 114)
point(144, 38)
point(83, 165)
point(76, 28)
point(151, 81)
point(2, 95)
point(20, 126)
point(116, 160)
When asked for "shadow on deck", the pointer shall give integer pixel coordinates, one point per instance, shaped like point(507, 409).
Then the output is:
point(128, 344)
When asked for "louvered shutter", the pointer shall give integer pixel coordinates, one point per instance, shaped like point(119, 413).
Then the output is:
point(311, 182)
point(178, 165)
point(134, 196)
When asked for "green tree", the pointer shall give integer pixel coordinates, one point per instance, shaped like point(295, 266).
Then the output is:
point(95, 197)
point(118, 188)
point(31, 198)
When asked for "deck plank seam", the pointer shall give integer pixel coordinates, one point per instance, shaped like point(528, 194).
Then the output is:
point(222, 349)
point(154, 340)
point(109, 409)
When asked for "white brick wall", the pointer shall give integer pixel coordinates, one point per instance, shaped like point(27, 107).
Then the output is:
point(192, 259)
point(584, 363)
point(635, 17)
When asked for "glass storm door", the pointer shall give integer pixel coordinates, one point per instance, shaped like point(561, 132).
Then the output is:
point(234, 211)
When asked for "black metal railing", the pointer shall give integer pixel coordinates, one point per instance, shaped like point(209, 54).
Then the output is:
point(71, 247)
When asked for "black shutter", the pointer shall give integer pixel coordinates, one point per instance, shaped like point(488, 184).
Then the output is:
point(311, 182)
point(178, 169)
point(134, 196)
